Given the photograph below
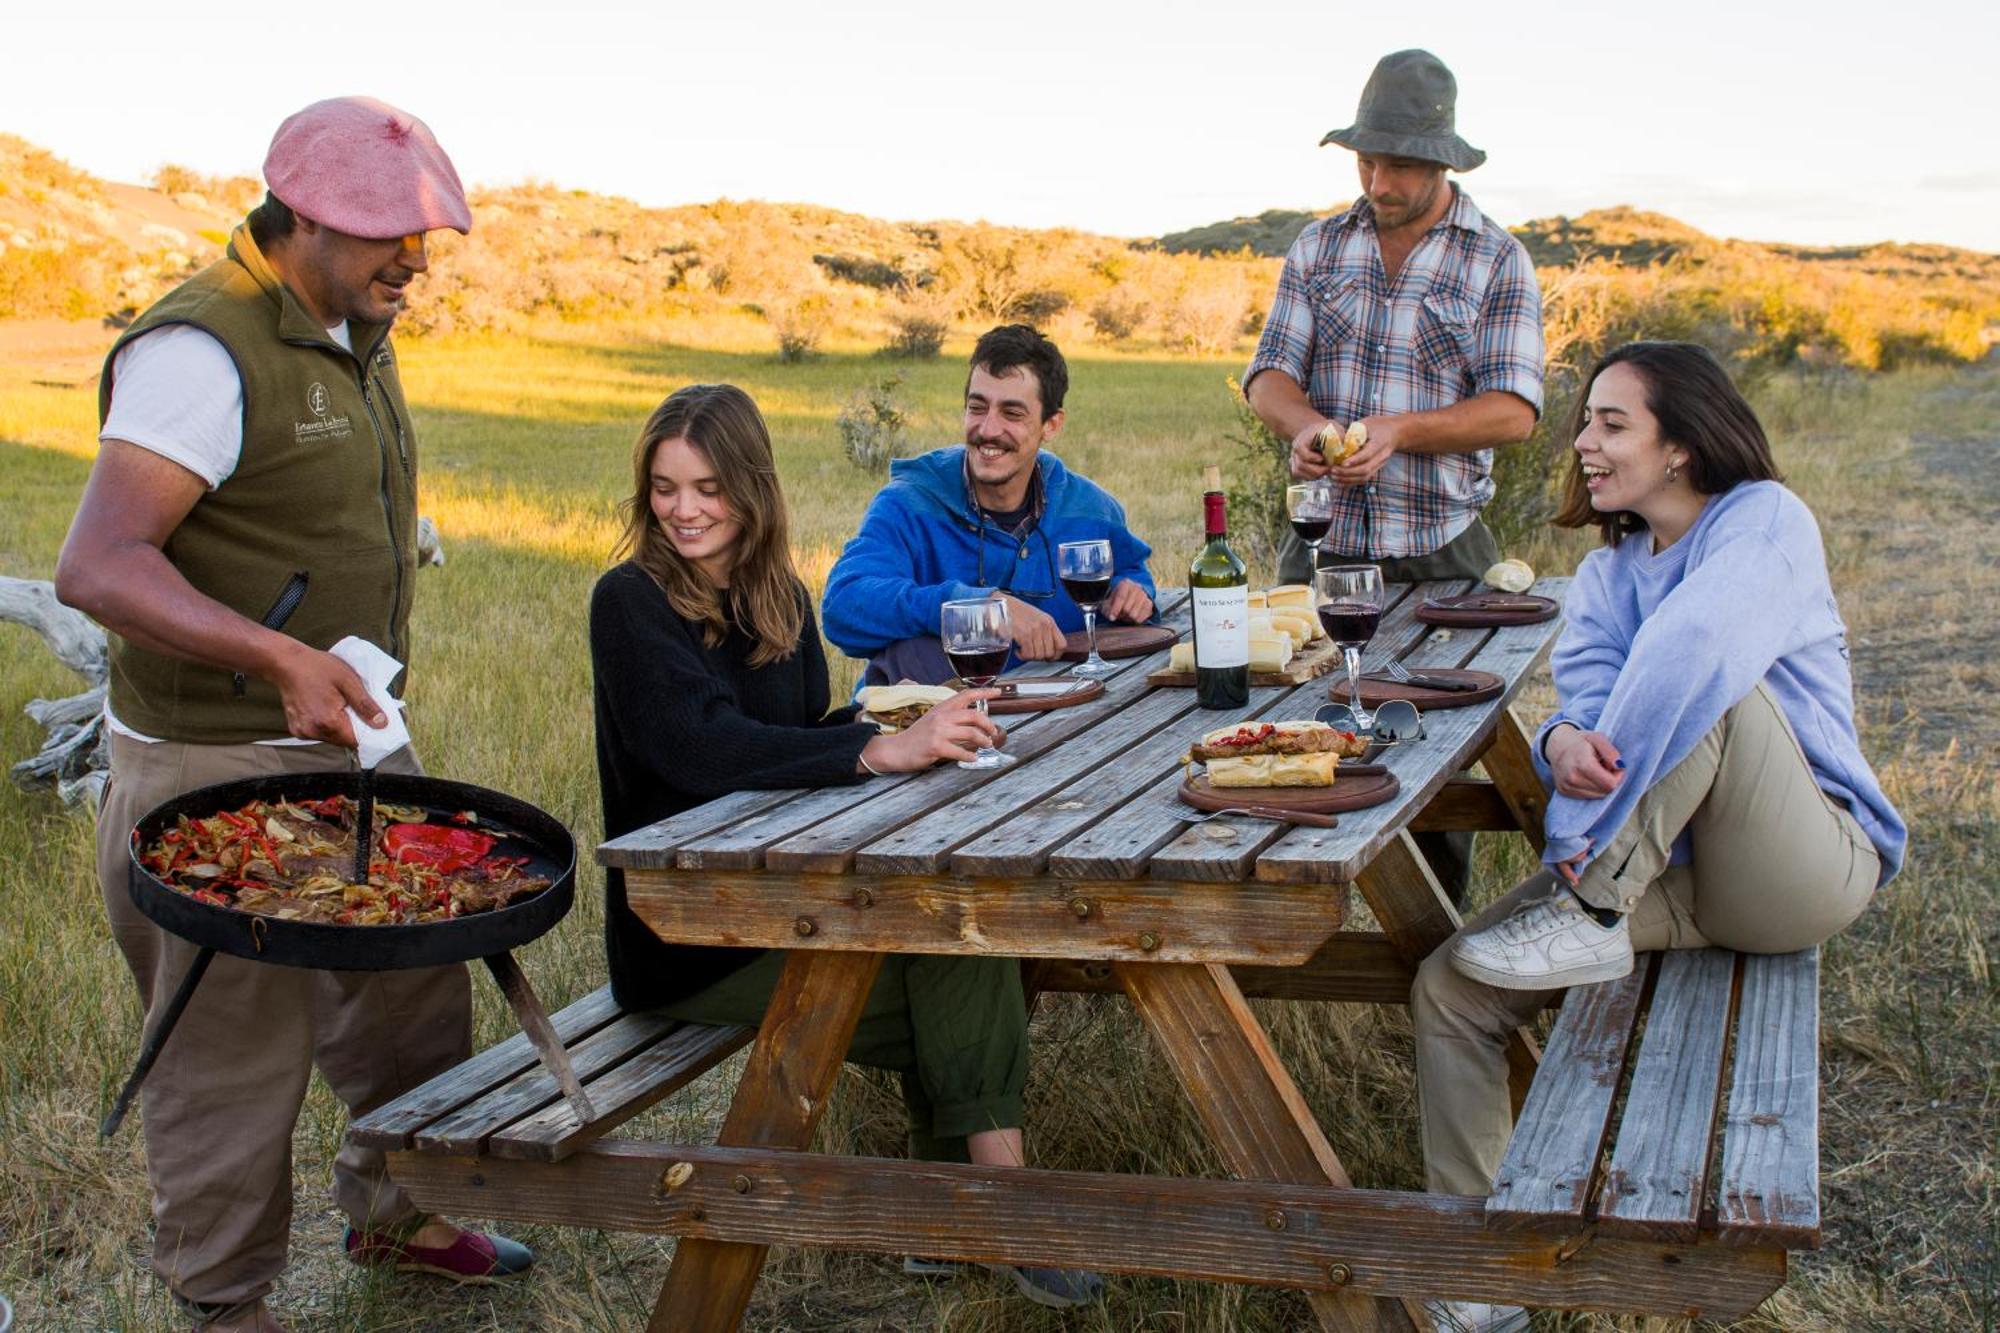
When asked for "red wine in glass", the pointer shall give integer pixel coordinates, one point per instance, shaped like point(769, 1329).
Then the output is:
point(1310, 530)
point(1349, 623)
point(1088, 592)
point(977, 664)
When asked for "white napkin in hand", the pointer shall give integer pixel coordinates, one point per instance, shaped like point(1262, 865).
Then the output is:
point(376, 669)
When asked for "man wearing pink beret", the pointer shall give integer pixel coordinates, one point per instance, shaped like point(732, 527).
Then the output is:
point(253, 502)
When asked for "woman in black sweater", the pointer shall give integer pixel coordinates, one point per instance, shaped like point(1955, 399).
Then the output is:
point(710, 678)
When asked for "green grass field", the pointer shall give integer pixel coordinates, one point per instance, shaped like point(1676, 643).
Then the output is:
point(526, 450)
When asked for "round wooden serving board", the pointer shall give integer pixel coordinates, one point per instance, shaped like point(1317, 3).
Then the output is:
point(1483, 609)
point(1074, 690)
point(1346, 793)
point(1377, 690)
point(1116, 641)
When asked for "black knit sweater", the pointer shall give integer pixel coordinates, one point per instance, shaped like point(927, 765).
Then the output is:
point(680, 723)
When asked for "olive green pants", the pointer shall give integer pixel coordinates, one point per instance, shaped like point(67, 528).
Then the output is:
point(1778, 865)
point(955, 1028)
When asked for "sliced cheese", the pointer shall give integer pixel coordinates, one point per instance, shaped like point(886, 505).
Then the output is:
point(1270, 652)
point(1181, 658)
point(1289, 595)
point(1256, 601)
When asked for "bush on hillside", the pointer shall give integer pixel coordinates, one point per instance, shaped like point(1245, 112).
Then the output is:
point(800, 323)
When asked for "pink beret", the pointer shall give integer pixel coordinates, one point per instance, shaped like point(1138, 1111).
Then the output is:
point(362, 167)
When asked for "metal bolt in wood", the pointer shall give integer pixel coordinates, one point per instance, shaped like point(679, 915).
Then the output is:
point(804, 925)
point(741, 1184)
point(1339, 1274)
point(864, 897)
point(1149, 941)
point(1275, 1219)
point(1080, 908)
point(677, 1175)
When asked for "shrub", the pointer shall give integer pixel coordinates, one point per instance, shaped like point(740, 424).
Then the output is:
point(1258, 520)
point(800, 323)
point(862, 271)
point(1038, 307)
point(917, 333)
point(1117, 315)
point(872, 424)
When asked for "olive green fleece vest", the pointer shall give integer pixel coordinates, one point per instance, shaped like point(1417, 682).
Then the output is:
point(325, 486)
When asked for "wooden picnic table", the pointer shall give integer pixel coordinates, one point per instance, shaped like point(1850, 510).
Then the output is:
point(1081, 858)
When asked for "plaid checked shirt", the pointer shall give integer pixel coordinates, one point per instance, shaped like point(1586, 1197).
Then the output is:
point(1463, 317)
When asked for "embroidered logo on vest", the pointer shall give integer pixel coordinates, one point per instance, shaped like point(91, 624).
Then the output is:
point(324, 425)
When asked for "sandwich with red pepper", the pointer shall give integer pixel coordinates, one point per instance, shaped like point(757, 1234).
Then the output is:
point(1275, 754)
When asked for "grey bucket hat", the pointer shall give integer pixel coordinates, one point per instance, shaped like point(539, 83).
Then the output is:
point(1407, 110)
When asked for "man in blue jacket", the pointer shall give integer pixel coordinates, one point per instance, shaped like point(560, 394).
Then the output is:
point(981, 519)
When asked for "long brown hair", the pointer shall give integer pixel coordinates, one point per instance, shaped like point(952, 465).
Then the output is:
point(765, 594)
point(1697, 407)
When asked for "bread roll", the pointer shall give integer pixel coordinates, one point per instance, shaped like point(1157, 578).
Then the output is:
point(1275, 770)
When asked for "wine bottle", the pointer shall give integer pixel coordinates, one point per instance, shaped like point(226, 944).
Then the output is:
point(1219, 584)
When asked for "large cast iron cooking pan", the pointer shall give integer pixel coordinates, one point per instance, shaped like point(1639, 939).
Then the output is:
point(550, 850)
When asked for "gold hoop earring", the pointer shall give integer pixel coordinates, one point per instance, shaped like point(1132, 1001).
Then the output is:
point(1673, 472)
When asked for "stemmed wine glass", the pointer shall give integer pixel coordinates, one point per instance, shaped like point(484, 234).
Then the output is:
point(1310, 505)
point(1350, 601)
point(977, 639)
point(1085, 571)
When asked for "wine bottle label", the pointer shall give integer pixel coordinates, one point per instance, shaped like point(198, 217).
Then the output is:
point(1222, 627)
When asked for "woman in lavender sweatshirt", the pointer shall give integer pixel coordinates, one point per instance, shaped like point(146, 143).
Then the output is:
point(1708, 787)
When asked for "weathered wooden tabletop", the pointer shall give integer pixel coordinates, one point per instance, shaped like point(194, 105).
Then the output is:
point(1081, 849)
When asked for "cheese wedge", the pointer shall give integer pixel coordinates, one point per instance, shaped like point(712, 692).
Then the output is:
point(1256, 601)
point(1289, 596)
point(1299, 627)
point(1270, 652)
point(1275, 770)
point(1181, 657)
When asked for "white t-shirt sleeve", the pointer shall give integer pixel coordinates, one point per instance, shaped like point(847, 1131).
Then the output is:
point(176, 392)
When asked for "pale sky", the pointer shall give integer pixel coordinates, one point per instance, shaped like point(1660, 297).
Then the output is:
point(1824, 123)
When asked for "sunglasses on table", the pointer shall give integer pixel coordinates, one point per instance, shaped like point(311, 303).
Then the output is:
point(1395, 721)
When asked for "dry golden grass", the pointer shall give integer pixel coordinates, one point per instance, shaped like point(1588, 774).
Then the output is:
point(526, 443)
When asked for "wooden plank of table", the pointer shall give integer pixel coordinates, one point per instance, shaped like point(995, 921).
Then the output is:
point(1768, 1192)
point(1154, 826)
point(1453, 738)
point(1509, 759)
point(391, 1126)
point(1377, 1242)
point(1465, 805)
point(814, 1010)
point(925, 846)
point(1274, 924)
point(732, 832)
point(1021, 845)
point(1246, 1100)
point(1545, 1178)
point(1657, 1181)
point(828, 818)
point(1354, 966)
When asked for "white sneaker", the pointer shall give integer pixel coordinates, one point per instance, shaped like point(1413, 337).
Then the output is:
point(1476, 1317)
point(1548, 943)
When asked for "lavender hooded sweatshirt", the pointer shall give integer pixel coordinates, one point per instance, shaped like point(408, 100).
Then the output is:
point(1655, 648)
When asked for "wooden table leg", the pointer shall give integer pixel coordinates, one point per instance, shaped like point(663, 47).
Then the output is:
point(1509, 762)
point(792, 1066)
point(1247, 1101)
point(534, 1021)
point(1414, 913)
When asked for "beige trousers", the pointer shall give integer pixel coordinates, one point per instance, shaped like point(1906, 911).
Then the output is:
point(1778, 865)
point(220, 1105)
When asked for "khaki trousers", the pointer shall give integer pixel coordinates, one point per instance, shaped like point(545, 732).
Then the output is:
point(220, 1105)
point(1778, 865)
point(955, 1027)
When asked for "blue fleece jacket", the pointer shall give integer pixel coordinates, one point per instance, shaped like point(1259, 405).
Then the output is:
point(1655, 648)
point(920, 546)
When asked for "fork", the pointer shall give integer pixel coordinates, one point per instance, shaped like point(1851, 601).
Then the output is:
point(1282, 816)
point(1399, 673)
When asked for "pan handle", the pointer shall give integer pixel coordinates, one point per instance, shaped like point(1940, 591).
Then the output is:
point(149, 1051)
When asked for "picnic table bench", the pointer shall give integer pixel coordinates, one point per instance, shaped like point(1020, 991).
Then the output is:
point(1080, 860)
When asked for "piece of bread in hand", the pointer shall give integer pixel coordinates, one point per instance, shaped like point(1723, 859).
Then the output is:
point(893, 707)
point(1312, 769)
